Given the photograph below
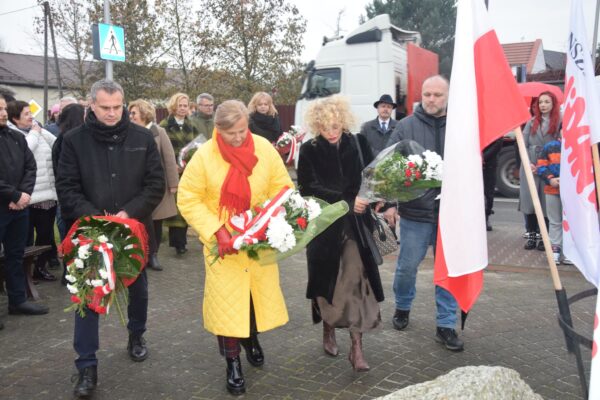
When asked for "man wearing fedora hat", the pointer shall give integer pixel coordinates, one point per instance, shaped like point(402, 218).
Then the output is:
point(379, 130)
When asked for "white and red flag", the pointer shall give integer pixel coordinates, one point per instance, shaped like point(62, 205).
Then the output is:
point(581, 128)
point(484, 103)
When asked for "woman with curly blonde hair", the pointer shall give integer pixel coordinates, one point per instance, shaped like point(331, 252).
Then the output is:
point(343, 278)
point(264, 120)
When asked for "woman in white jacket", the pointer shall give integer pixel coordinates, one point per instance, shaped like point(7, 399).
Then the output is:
point(42, 209)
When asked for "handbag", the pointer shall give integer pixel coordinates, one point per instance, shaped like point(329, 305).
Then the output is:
point(384, 237)
point(382, 240)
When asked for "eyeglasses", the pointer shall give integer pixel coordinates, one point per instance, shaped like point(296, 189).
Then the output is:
point(207, 105)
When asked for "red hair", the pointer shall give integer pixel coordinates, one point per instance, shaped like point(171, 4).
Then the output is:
point(554, 114)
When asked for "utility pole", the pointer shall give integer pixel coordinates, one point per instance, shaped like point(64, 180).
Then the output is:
point(45, 66)
point(56, 64)
point(109, 64)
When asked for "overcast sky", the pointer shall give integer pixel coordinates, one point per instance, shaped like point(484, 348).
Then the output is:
point(514, 20)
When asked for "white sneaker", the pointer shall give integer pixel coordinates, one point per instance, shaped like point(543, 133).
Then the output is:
point(556, 258)
point(566, 261)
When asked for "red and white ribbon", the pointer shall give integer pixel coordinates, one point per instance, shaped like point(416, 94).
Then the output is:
point(105, 249)
point(255, 228)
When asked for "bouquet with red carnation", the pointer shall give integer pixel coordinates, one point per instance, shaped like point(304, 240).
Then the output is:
point(281, 226)
point(288, 144)
point(103, 255)
point(402, 172)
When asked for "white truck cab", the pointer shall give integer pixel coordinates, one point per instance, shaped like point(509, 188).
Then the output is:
point(374, 59)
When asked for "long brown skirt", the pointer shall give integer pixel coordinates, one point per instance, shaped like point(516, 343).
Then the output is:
point(354, 305)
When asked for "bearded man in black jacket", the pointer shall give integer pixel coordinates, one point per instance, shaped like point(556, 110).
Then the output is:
point(418, 224)
point(109, 166)
point(17, 179)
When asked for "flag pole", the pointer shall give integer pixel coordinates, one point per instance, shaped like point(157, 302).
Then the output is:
point(595, 155)
point(538, 208)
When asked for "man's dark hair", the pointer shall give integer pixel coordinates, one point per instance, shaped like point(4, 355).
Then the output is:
point(15, 108)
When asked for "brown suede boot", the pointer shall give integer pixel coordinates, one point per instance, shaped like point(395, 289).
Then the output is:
point(356, 354)
point(329, 343)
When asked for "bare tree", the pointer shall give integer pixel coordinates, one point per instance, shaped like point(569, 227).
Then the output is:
point(72, 28)
point(257, 42)
point(185, 43)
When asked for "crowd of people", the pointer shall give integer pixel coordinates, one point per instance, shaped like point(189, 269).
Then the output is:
point(106, 158)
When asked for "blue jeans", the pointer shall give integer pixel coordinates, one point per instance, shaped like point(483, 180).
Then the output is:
point(14, 228)
point(86, 341)
point(415, 239)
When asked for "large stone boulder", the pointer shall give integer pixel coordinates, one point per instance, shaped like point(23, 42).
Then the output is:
point(470, 383)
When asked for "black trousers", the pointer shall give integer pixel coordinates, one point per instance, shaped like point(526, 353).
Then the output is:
point(42, 223)
point(13, 236)
point(490, 164)
point(86, 340)
point(177, 237)
point(155, 236)
point(531, 223)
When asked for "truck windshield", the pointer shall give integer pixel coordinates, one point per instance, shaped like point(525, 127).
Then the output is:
point(323, 83)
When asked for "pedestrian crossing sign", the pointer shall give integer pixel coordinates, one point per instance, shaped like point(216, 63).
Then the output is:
point(110, 43)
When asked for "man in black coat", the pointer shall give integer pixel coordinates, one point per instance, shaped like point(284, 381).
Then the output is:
point(378, 131)
point(17, 179)
point(419, 217)
point(109, 166)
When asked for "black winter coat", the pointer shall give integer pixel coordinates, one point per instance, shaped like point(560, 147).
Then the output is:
point(17, 167)
point(266, 126)
point(109, 169)
point(332, 174)
point(429, 132)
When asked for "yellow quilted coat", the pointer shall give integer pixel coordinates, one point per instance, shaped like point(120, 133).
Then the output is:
point(230, 281)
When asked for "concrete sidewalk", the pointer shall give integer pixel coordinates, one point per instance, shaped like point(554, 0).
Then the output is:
point(513, 325)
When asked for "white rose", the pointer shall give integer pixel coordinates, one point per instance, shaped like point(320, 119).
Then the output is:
point(79, 263)
point(103, 273)
point(88, 282)
point(84, 252)
point(97, 282)
point(280, 234)
point(314, 209)
point(70, 278)
point(296, 201)
point(102, 239)
point(72, 289)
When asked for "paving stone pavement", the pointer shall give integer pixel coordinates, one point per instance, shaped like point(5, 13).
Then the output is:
point(513, 325)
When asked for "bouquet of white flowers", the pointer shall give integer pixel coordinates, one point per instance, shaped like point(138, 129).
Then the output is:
point(281, 227)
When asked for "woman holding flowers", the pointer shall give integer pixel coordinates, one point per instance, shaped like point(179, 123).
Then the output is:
point(231, 173)
point(343, 279)
point(181, 131)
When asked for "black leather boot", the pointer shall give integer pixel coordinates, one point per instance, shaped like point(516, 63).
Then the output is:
point(86, 383)
point(136, 347)
point(236, 384)
point(254, 352)
point(153, 263)
point(400, 319)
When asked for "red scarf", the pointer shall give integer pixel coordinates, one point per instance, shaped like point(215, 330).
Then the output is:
point(235, 191)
